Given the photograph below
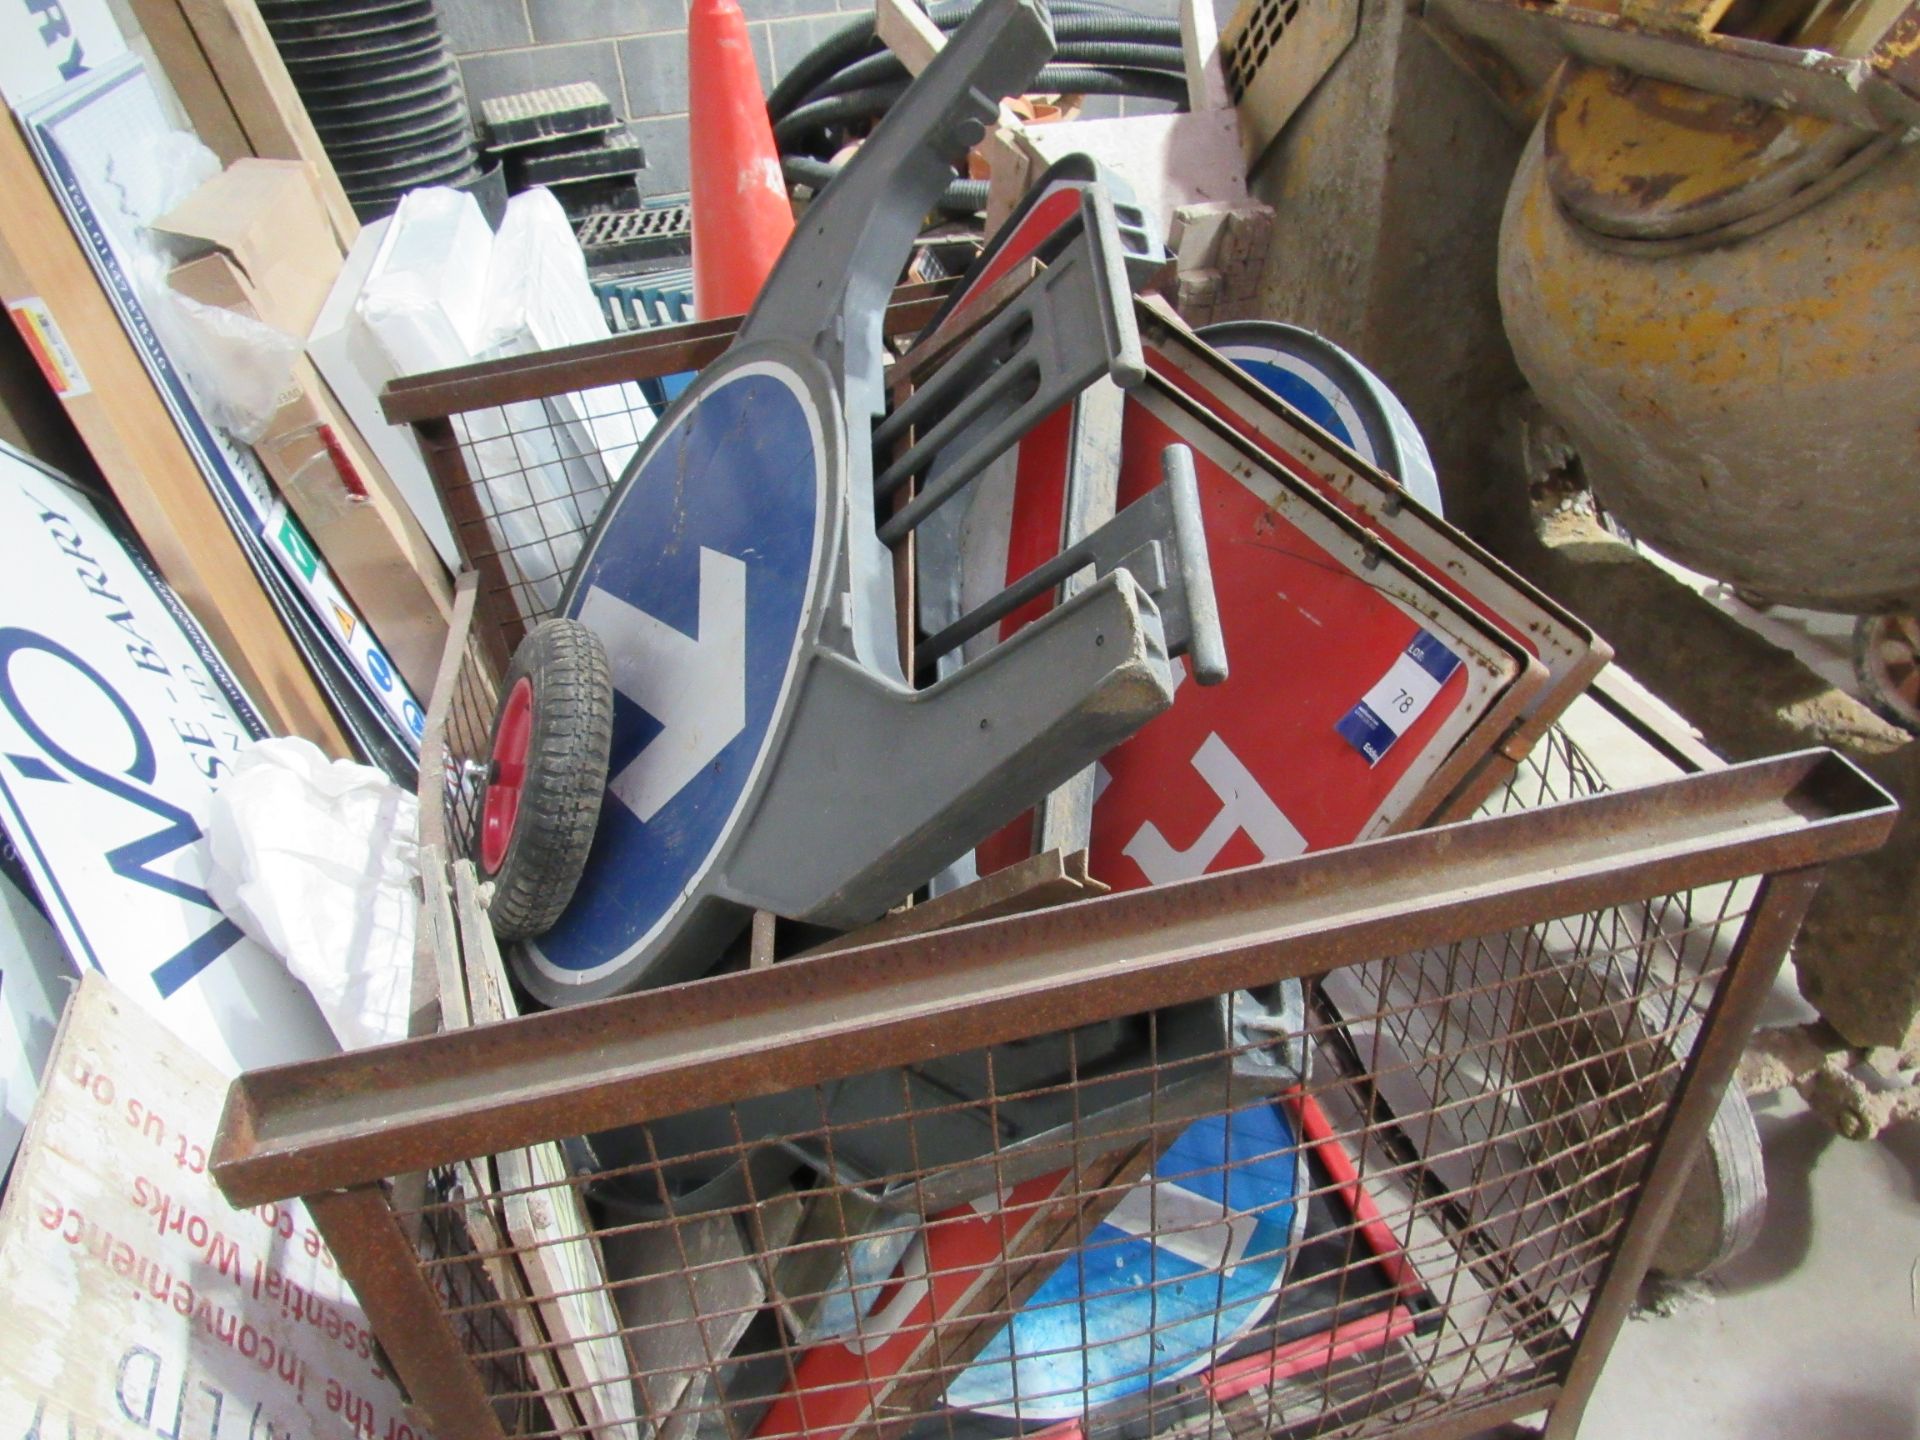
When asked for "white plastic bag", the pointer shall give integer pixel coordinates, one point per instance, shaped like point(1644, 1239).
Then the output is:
point(538, 298)
point(425, 304)
point(239, 367)
point(315, 859)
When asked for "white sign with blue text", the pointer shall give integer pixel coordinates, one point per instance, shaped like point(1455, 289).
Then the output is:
point(46, 43)
point(97, 139)
point(117, 721)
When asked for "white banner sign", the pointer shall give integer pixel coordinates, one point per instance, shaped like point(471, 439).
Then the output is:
point(138, 1301)
point(117, 721)
point(44, 43)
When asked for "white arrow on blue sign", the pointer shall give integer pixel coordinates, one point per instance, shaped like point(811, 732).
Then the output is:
point(1178, 1272)
point(694, 685)
point(700, 582)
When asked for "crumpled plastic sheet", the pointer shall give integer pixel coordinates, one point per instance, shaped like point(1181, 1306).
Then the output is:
point(315, 859)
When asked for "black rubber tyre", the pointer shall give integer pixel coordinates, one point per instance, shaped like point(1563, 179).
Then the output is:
point(1886, 661)
point(565, 772)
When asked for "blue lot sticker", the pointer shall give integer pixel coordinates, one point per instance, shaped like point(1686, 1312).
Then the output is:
point(699, 584)
point(1399, 697)
point(1174, 1276)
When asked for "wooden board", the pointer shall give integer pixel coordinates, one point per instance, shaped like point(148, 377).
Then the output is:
point(188, 71)
point(137, 1300)
point(30, 415)
point(546, 1220)
point(478, 1185)
point(221, 60)
point(478, 1182)
point(137, 447)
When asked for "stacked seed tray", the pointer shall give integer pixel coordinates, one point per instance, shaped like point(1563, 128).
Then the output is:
point(648, 300)
point(567, 138)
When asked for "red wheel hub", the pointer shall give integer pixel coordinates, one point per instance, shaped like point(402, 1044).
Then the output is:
point(507, 776)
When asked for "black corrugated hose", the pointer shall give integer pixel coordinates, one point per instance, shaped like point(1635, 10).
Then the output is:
point(837, 89)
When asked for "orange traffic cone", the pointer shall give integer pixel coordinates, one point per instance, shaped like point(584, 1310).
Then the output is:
point(741, 217)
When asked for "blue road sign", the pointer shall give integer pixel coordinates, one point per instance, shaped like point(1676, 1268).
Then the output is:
point(1334, 391)
point(1177, 1273)
point(699, 581)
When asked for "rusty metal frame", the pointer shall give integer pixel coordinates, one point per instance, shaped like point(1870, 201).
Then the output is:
point(357, 1118)
point(1878, 92)
point(354, 1134)
point(429, 402)
point(334, 1130)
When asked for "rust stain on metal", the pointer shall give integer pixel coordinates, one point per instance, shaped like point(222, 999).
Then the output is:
point(410, 1106)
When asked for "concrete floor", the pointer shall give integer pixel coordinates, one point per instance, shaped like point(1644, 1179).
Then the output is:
point(1814, 1331)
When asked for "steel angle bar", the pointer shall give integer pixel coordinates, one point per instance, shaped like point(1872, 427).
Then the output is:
point(383, 1268)
point(640, 355)
point(1770, 927)
point(356, 1118)
point(1052, 877)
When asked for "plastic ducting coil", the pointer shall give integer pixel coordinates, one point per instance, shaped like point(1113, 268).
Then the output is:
point(378, 79)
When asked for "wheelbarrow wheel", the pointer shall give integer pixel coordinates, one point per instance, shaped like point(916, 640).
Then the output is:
point(1886, 659)
point(547, 767)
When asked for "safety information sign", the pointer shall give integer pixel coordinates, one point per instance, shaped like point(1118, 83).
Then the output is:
point(138, 1301)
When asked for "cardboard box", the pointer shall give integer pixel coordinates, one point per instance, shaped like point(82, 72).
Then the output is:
point(266, 217)
point(333, 482)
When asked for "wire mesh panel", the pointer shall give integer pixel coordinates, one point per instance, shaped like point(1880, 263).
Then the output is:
point(1371, 1142)
point(1330, 1208)
point(526, 450)
point(538, 473)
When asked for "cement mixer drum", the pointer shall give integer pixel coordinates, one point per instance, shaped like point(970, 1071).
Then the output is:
point(1720, 301)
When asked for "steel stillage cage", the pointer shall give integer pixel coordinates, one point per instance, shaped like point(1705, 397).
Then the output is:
point(1373, 1142)
point(1378, 1141)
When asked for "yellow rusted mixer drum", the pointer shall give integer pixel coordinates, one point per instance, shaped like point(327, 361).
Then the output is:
point(1721, 303)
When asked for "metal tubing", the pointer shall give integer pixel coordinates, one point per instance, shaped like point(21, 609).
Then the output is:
point(1207, 645)
point(1165, 522)
point(381, 1266)
point(296, 1129)
point(1770, 927)
point(641, 355)
point(1035, 583)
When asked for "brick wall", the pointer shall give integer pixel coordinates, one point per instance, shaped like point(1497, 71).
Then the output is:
point(636, 51)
